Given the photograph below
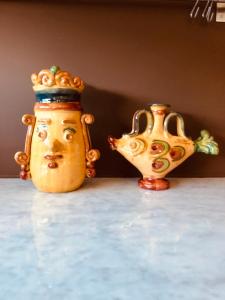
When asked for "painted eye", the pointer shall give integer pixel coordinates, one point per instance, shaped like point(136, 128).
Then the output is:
point(69, 137)
point(42, 134)
point(42, 131)
point(68, 134)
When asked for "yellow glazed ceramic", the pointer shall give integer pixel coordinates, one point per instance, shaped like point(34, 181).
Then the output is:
point(58, 152)
point(156, 152)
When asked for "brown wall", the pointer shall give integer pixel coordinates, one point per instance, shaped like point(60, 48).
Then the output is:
point(129, 56)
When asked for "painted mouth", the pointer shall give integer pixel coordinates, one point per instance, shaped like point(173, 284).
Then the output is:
point(53, 157)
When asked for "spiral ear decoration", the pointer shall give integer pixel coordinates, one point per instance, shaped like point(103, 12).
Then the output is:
point(23, 158)
point(91, 154)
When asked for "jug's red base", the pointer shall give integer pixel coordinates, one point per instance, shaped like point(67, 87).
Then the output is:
point(154, 184)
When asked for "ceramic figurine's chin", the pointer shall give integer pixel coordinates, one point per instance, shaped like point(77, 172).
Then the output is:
point(51, 158)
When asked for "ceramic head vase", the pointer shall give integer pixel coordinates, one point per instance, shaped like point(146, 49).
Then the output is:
point(156, 152)
point(58, 153)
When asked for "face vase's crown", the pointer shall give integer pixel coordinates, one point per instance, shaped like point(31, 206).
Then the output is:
point(55, 85)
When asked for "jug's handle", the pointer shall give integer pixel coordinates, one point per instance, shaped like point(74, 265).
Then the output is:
point(135, 122)
point(91, 154)
point(23, 158)
point(180, 124)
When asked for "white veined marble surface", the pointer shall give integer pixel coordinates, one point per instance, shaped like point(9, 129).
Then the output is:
point(111, 240)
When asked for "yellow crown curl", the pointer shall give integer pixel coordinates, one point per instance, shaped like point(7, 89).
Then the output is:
point(56, 78)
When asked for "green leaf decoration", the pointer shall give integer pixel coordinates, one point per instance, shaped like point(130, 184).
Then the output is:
point(206, 144)
point(54, 69)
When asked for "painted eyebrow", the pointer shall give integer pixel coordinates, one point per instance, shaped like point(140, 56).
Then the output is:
point(70, 129)
point(44, 121)
point(65, 122)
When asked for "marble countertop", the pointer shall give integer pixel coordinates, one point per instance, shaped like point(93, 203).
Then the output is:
point(111, 240)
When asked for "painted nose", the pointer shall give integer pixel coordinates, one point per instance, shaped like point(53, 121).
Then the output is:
point(53, 145)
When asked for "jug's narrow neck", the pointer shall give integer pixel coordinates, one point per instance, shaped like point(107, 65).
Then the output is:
point(159, 111)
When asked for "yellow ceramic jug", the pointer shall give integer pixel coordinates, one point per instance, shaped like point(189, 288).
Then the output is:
point(156, 152)
point(57, 154)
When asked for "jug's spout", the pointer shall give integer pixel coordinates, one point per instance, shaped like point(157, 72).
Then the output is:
point(112, 142)
point(159, 112)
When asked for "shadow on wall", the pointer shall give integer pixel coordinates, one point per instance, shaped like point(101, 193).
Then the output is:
point(113, 114)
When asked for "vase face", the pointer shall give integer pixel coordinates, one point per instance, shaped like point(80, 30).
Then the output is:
point(57, 153)
point(57, 162)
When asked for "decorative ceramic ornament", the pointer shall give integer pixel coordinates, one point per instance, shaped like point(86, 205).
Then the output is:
point(58, 153)
point(156, 152)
